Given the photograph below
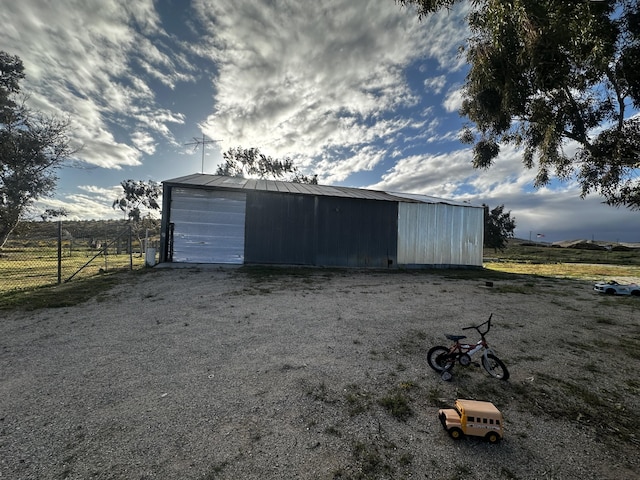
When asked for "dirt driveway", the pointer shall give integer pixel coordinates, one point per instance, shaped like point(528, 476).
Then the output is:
point(312, 374)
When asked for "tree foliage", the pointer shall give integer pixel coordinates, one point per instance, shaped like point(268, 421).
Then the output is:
point(242, 162)
point(139, 201)
point(560, 80)
point(32, 147)
point(138, 194)
point(498, 227)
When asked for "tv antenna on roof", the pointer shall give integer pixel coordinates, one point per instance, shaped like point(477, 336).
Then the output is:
point(197, 142)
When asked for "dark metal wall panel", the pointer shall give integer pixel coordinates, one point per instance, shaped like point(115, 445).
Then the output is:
point(356, 233)
point(280, 228)
point(165, 238)
point(294, 229)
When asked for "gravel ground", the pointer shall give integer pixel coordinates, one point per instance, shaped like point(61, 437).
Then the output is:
point(212, 373)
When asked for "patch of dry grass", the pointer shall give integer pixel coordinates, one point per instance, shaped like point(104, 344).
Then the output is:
point(578, 271)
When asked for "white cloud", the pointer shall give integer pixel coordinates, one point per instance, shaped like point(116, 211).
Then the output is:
point(337, 170)
point(453, 100)
point(435, 84)
point(144, 142)
point(108, 193)
point(79, 62)
point(81, 207)
point(311, 77)
point(435, 175)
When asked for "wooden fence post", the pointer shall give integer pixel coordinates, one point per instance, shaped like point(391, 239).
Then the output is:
point(59, 252)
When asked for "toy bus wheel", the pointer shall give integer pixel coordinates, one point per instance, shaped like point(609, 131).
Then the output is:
point(493, 437)
point(456, 433)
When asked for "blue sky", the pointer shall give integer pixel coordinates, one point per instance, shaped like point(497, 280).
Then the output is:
point(358, 92)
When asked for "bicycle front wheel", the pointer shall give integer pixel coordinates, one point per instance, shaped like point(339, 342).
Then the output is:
point(439, 359)
point(494, 367)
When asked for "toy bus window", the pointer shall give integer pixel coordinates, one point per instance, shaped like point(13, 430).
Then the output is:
point(484, 420)
point(470, 419)
point(497, 422)
point(491, 421)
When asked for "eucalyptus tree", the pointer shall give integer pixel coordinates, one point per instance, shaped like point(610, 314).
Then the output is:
point(139, 200)
point(241, 162)
point(560, 80)
point(33, 146)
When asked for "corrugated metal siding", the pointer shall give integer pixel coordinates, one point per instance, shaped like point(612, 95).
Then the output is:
point(439, 234)
point(356, 232)
point(208, 226)
point(325, 231)
point(280, 229)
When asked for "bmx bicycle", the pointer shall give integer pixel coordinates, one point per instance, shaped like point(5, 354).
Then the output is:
point(442, 359)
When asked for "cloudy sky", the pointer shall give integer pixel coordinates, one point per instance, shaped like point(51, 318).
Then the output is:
point(358, 92)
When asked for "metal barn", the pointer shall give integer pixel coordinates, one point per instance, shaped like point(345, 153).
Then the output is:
point(216, 219)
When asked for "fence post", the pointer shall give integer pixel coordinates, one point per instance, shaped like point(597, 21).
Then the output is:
point(59, 252)
point(130, 249)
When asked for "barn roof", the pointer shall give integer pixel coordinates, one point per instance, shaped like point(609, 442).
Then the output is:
point(206, 181)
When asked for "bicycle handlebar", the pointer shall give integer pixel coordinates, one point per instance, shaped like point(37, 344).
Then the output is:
point(477, 327)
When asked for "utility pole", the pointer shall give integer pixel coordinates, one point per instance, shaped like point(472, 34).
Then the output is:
point(197, 142)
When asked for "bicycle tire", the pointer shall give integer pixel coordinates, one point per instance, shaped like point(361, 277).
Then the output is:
point(495, 367)
point(438, 358)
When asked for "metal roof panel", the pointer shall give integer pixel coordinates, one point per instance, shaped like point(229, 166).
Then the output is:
point(238, 183)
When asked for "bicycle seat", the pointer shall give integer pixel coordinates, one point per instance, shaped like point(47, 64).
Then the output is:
point(455, 338)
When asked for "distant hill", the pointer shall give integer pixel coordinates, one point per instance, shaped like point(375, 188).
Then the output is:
point(71, 228)
point(578, 244)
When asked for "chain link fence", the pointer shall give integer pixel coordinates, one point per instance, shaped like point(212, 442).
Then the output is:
point(47, 253)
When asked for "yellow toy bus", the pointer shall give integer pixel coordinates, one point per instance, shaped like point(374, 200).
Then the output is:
point(473, 417)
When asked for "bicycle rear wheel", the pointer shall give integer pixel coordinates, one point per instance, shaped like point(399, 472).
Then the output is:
point(494, 367)
point(439, 358)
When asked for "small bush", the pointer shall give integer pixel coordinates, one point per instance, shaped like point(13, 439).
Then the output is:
point(397, 405)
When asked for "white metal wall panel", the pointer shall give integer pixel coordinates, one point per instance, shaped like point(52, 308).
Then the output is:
point(208, 226)
point(439, 234)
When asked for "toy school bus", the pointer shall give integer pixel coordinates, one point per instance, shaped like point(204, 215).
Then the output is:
point(473, 417)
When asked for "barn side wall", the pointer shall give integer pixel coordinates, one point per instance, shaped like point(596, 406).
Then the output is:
point(440, 235)
point(303, 229)
point(283, 228)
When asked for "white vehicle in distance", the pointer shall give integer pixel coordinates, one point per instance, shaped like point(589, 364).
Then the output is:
point(614, 288)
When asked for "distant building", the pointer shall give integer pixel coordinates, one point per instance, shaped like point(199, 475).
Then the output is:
point(228, 220)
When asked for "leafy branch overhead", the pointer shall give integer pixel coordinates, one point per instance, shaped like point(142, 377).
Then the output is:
point(241, 162)
point(560, 80)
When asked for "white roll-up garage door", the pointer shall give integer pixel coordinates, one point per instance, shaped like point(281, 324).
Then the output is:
point(208, 226)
